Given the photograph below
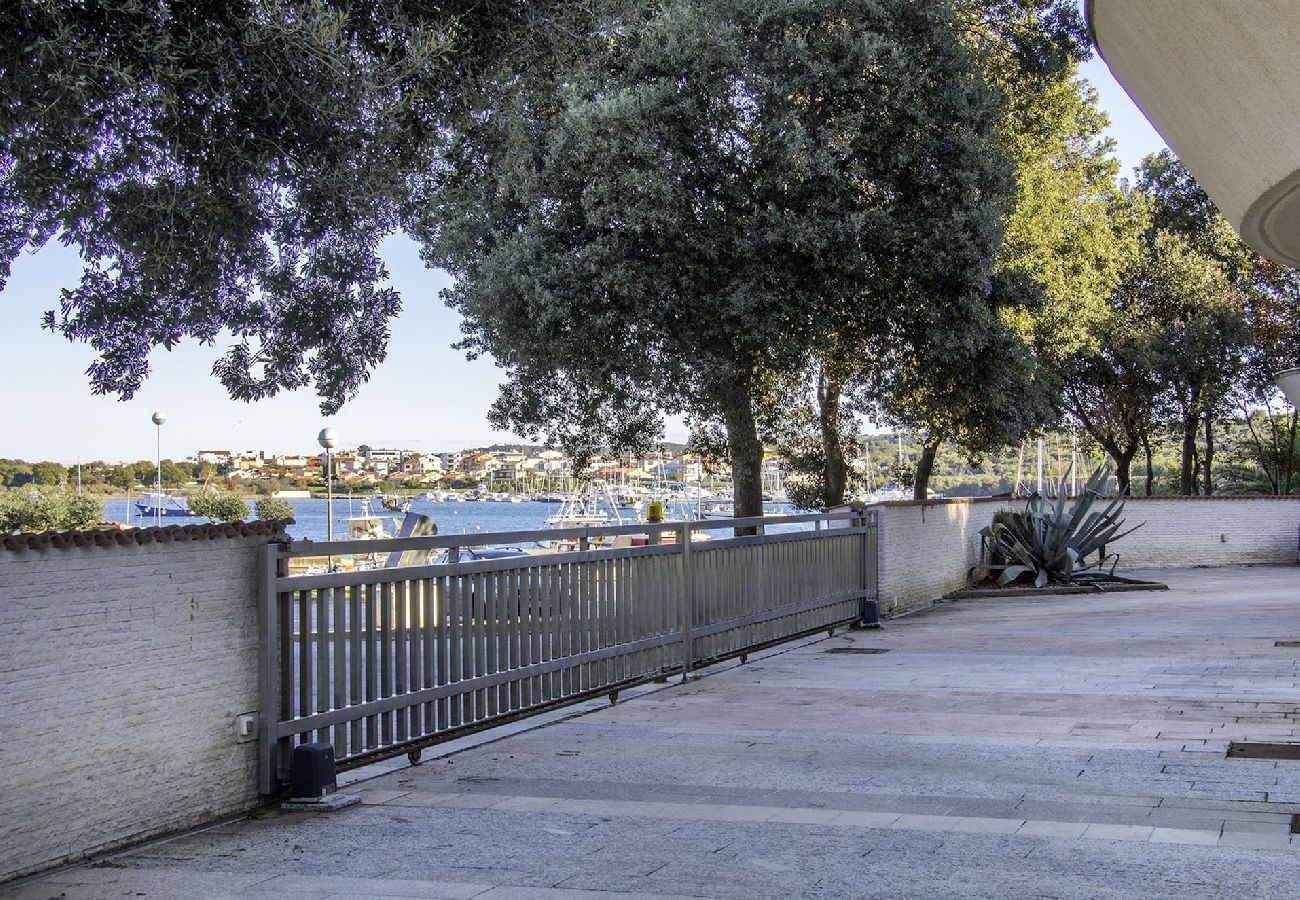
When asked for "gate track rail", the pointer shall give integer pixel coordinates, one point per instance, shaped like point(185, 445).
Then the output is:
point(387, 661)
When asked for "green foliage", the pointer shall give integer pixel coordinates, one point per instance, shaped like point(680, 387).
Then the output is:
point(981, 376)
point(219, 506)
point(270, 508)
point(48, 473)
point(1052, 543)
point(48, 509)
point(680, 215)
point(1171, 345)
point(231, 166)
point(15, 472)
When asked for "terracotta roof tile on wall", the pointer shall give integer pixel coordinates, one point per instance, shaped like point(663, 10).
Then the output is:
point(107, 537)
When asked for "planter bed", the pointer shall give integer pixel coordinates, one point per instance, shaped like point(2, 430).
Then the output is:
point(1111, 585)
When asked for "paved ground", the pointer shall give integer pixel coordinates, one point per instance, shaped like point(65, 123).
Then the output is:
point(1045, 747)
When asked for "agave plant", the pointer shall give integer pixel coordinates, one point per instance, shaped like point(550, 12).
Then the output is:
point(1053, 543)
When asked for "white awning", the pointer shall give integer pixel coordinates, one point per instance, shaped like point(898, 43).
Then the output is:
point(1220, 80)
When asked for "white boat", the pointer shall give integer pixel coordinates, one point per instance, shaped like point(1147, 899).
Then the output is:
point(718, 509)
point(395, 503)
point(888, 492)
point(151, 505)
point(591, 505)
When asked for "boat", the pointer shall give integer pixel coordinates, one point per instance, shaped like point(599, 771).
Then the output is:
point(591, 505)
point(717, 509)
point(889, 492)
point(152, 505)
point(394, 503)
point(370, 527)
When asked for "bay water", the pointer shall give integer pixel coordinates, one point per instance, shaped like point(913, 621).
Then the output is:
point(470, 517)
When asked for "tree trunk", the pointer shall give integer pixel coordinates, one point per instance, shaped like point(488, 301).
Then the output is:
point(1208, 471)
point(1187, 474)
point(925, 467)
point(1151, 473)
point(746, 456)
point(829, 393)
point(1191, 428)
point(1123, 468)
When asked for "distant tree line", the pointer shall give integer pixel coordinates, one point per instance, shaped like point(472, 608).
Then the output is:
point(100, 476)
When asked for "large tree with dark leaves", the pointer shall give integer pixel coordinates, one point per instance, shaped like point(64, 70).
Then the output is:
point(229, 169)
point(976, 376)
point(679, 221)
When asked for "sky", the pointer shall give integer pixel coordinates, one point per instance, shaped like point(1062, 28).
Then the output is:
point(425, 396)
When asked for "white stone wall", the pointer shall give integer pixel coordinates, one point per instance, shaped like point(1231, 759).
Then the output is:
point(1209, 531)
point(927, 548)
point(122, 670)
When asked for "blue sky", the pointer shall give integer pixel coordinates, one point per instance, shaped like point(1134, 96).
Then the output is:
point(425, 396)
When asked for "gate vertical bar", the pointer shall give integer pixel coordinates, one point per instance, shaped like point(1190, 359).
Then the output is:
point(870, 524)
point(268, 674)
point(687, 602)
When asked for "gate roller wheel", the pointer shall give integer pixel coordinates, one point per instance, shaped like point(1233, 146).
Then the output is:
point(413, 757)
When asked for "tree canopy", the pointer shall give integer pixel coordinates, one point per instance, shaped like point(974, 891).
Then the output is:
point(687, 211)
point(227, 171)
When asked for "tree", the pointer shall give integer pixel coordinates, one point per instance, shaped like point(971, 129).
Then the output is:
point(219, 506)
point(122, 477)
point(48, 509)
point(15, 473)
point(1112, 393)
point(145, 473)
point(1202, 338)
point(1059, 259)
point(1273, 320)
point(49, 473)
point(1171, 342)
point(274, 508)
point(1264, 325)
point(812, 432)
point(174, 475)
point(233, 168)
point(974, 383)
point(676, 221)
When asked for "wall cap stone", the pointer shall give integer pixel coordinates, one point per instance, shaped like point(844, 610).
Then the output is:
point(273, 529)
point(1178, 498)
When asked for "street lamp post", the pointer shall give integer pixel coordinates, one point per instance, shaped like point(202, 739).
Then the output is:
point(329, 439)
point(158, 419)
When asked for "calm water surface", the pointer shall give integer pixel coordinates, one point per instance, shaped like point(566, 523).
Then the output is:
point(467, 518)
point(452, 518)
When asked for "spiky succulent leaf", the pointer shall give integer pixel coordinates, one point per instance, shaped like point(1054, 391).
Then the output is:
point(1053, 542)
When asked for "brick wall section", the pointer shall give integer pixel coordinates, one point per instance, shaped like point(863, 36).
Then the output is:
point(122, 670)
point(927, 548)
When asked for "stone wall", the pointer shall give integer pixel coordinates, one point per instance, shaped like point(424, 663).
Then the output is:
point(1209, 531)
point(926, 548)
point(122, 670)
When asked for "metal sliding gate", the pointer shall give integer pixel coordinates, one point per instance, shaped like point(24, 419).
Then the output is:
point(384, 661)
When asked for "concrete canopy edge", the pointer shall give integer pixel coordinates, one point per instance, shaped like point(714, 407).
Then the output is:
point(1216, 81)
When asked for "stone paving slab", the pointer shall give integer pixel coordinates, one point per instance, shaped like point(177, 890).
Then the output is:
point(1054, 747)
